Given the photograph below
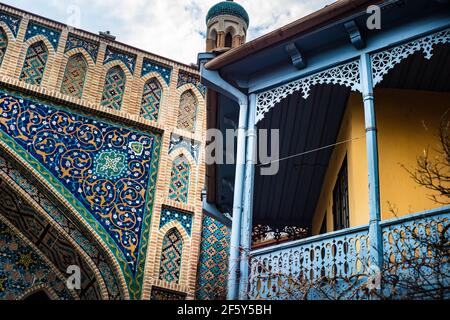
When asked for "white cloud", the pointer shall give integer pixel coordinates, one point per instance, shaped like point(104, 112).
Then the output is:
point(170, 28)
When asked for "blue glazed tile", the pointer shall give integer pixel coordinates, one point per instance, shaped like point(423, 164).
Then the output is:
point(169, 215)
point(128, 59)
point(91, 47)
point(51, 34)
point(12, 21)
point(152, 66)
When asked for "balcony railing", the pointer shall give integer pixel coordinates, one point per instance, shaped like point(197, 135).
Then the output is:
point(293, 270)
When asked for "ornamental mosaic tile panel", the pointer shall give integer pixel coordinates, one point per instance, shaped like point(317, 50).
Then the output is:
point(169, 215)
point(151, 100)
point(114, 89)
point(12, 21)
point(187, 111)
point(186, 77)
point(21, 268)
point(74, 149)
point(128, 59)
point(34, 65)
point(3, 45)
point(152, 66)
point(213, 260)
point(74, 76)
point(163, 294)
point(172, 250)
point(82, 239)
point(178, 142)
point(47, 239)
point(35, 29)
point(179, 180)
point(74, 41)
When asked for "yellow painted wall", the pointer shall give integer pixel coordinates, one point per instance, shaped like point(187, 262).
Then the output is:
point(407, 124)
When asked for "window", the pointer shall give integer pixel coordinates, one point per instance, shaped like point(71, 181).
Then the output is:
point(74, 76)
point(187, 111)
point(179, 180)
point(214, 39)
point(34, 65)
point(228, 40)
point(114, 88)
point(172, 249)
point(3, 44)
point(340, 200)
point(151, 100)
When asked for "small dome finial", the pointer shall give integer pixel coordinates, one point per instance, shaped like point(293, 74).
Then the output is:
point(227, 23)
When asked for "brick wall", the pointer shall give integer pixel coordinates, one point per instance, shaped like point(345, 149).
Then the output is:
point(129, 114)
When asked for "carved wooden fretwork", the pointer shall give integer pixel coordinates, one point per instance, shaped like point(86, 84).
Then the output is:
point(347, 75)
point(384, 61)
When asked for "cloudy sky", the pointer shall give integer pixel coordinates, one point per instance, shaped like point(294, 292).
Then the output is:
point(171, 28)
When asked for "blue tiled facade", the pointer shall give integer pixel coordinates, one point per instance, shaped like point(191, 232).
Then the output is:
point(35, 29)
point(169, 215)
point(76, 149)
point(128, 59)
point(74, 41)
point(213, 260)
point(12, 21)
point(152, 66)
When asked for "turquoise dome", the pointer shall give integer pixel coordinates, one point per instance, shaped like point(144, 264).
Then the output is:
point(228, 8)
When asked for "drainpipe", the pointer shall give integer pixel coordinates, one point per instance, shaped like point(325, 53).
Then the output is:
point(375, 236)
point(247, 214)
point(213, 80)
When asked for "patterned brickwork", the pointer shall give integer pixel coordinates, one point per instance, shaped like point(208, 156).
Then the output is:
point(74, 76)
point(151, 100)
point(70, 40)
point(35, 29)
point(74, 41)
point(114, 88)
point(171, 255)
point(213, 262)
point(169, 215)
point(34, 65)
point(21, 268)
point(179, 180)
point(3, 44)
point(187, 111)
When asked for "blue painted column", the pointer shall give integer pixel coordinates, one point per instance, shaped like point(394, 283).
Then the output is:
point(234, 260)
point(247, 211)
point(375, 236)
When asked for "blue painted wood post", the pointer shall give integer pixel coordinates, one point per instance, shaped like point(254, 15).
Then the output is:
point(247, 211)
point(375, 236)
point(233, 264)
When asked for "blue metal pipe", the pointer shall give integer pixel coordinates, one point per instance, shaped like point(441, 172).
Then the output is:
point(247, 214)
point(213, 80)
point(375, 235)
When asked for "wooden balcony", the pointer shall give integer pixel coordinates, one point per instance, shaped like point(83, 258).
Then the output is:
point(337, 265)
